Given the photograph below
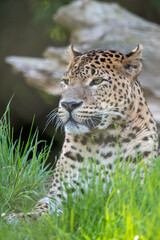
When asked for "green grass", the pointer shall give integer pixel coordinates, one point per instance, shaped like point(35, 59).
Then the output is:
point(23, 169)
point(126, 209)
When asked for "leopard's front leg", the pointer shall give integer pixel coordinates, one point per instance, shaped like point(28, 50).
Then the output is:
point(42, 208)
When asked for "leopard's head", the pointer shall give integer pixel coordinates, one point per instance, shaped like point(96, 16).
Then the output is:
point(98, 89)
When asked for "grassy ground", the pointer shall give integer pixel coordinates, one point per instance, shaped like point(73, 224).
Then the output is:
point(124, 210)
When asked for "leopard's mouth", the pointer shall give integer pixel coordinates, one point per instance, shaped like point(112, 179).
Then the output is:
point(73, 125)
point(71, 119)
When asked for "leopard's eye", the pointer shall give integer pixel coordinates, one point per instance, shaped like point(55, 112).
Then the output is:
point(66, 81)
point(96, 81)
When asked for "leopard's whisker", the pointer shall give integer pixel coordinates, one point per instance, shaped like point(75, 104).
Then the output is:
point(91, 122)
point(51, 117)
point(52, 112)
point(58, 124)
point(109, 112)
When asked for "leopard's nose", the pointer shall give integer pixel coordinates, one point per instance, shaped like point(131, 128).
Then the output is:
point(71, 105)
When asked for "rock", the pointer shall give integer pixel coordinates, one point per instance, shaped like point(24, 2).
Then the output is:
point(93, 25)
point(40, 73)
point(109, 26)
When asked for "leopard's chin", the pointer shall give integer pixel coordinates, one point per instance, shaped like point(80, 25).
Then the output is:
point(73, 127)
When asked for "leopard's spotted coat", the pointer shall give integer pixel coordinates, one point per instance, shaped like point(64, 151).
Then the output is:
point(102, 104)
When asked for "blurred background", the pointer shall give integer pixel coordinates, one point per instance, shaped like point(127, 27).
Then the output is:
point(26, 29)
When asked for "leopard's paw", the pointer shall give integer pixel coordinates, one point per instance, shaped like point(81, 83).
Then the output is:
point(13, 216)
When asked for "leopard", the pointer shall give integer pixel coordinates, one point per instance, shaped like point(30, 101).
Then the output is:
point(102, 106)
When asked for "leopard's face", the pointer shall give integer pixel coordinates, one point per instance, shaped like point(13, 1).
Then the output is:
point(97, 90)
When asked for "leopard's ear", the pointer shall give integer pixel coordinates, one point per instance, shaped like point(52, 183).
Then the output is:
point(73, 52)
point(132, 63)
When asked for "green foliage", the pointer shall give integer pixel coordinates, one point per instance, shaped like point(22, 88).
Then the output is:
point(156, 6)
point(43, 11)
point(125, 209)
point(22, 167)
